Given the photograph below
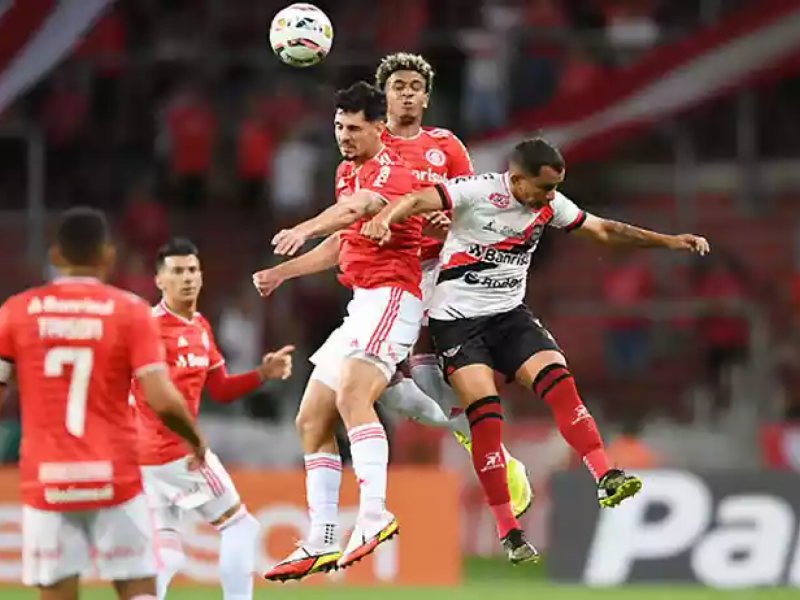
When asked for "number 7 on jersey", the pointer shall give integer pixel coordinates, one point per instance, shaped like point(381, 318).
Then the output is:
point(81, 361)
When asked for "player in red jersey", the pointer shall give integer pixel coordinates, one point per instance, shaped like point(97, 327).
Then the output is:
point(73, 347)
point(434, 155)
point(172, 486)
point(357, 361)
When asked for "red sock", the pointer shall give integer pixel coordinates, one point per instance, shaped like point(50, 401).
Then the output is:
point(486, 425)
point(554, 384)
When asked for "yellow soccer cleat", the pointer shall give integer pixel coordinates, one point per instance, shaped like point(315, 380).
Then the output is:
point(519, 486)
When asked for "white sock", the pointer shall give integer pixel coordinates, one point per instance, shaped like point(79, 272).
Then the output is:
point(370, 450)
point(428, 376)
point(323, 480)
point(407, 399)
point(171, 559)
point(237, 555)
point(144, 597)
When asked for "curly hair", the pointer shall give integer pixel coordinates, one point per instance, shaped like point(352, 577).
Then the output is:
point(404, 61)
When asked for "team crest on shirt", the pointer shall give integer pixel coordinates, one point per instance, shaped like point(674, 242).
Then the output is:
point(500, 200)
point(435, 157)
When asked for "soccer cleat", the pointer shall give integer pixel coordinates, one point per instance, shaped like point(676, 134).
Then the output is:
point(367, 535)
point(519, 486)
point(518, 548)
point(615, 486)
point(304, 561)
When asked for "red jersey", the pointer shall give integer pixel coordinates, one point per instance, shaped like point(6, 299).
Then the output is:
point(191, 354)
point(433, 155)
point(365, 264)
point(75, 345)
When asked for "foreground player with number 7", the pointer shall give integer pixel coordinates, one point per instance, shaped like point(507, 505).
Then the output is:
point(479, 323)
point(73, 346)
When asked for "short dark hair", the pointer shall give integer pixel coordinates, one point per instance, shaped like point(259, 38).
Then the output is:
point(404, 61)
point(82, 234)
point(533, 154)
point(175, 247)
point(362, 96)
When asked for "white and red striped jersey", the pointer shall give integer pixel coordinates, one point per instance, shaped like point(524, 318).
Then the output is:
point(485, 259)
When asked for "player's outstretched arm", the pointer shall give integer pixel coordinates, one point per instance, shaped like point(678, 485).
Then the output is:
point(615, 233)
point(416, 203)
point(224, 387)
point(322, 257)
point(166, 401)
point(335, 218)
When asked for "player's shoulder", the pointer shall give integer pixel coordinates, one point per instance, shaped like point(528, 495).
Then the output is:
point(479, 179)
point(439, 133)
point(387, 157)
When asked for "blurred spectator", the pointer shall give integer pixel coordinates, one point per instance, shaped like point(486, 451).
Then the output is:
point(400, 25)
point(629, 451)
point(283, 110)
point(626, 284)
point(188, 136)
point(294, 172)
point(631, 24)
point(255, 147)
point(144, 222)
point(723, 333)
point(578, 72)
point(135, 276)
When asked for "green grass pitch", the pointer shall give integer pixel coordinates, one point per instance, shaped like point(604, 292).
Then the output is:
point(485, 580)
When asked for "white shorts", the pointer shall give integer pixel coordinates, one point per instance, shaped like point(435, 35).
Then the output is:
point(430, 272)
point(119, 541)
point(381, 327)
point(172, 489)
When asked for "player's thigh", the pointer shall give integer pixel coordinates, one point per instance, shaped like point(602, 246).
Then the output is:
point(160, 491)
point(124, 541)
point(135, 588)
point(317, 416)
point(223, 497)
point(55, 547)
point(521, 346)
point(472, 383)
point(66, 589)
point(363, 381)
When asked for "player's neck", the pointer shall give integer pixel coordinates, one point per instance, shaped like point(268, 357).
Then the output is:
point(409, 130)
point(79, 273)
point(182, 309)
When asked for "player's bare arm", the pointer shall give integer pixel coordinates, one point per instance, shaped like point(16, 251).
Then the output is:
point(417, 203)
point(335, 218)
point(166, 401)
point(615, 233)
point(321, 258)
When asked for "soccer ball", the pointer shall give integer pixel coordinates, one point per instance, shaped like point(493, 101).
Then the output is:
point(301, 35)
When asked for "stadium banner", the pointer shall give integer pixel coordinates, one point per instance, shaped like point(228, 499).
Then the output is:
point(754, 46)
point(425, 500)
point(725, 530)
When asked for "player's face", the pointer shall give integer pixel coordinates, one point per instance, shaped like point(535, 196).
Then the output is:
point(358, 139)
point(180, 279)
point(535, 191)
point(406, 98)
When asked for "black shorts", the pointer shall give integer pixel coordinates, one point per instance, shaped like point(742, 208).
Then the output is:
point(504, 341)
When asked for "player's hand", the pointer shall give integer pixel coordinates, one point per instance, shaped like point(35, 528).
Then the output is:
point(288, 241)
point(277, 365)
point(198, 457)
point(267, 281)
point(436, 225)
point(377, 230)
point(691, 243)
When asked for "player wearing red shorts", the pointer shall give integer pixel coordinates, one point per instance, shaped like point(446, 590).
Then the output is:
point(73, 347)
point(355, 364)
point(434, 155)
point(173, 488)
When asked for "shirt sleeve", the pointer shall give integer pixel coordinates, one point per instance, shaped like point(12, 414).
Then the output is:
point(460, 161)
point(146, 348)
point(7, 352)
point(390, 182)
point(566, 214)
point(460, 192)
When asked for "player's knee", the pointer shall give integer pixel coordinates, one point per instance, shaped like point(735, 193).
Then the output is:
point(313, 431)
point(170, 551)
point(549, 378)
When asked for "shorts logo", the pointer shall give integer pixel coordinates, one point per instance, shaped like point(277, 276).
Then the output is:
point(435, 157)
point(451, 352)
point(500, 200)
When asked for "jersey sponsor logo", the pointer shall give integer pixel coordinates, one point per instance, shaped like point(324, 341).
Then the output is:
point(499, 200)
point(499, 257)
point(428, 176)
point(509, 283)
point(474, 178)
point(51, 304)
point(73, 495)
point(435, 157)
point(192, 361)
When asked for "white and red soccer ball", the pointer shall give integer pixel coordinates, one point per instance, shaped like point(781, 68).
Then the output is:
point(301, 35)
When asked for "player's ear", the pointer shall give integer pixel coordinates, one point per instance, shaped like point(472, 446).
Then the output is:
point(109, 255)
point(426, 101)
point(55, 257)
